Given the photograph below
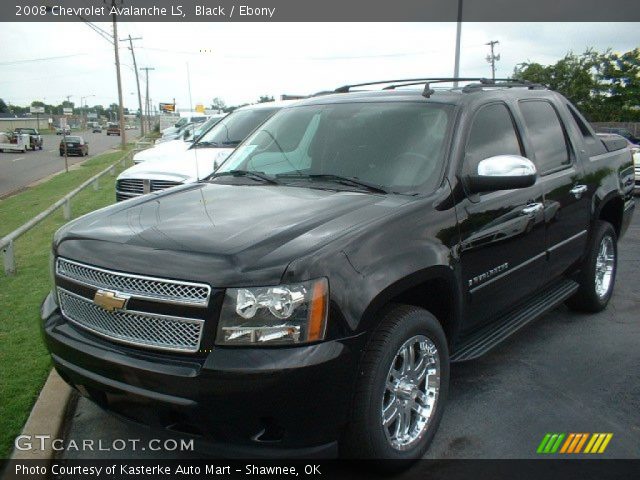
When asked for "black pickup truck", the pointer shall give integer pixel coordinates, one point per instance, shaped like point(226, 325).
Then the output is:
point(309, 297)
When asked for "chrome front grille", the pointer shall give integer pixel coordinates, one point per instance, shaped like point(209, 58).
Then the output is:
point(131, 327)
point(149, 288)
point(133, 187)
point(163, 184)
point(130, 186)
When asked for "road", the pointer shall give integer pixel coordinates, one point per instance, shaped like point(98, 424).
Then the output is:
point(18, 170)
point(566, 372)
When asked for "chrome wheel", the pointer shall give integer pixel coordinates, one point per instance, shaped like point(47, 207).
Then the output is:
point(605, 263)
point(411, 392)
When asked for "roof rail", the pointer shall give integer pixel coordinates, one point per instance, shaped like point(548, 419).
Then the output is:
point(503, 83)
point(483, 82)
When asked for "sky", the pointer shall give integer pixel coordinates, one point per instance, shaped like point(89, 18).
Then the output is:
point(239, 62)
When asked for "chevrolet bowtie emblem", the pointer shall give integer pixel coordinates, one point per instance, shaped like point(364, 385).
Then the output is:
point(109, 301)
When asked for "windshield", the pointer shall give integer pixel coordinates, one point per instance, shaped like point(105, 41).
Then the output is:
point(73, 139)
point(233, 128)
point(396, 146)
point(181, 122)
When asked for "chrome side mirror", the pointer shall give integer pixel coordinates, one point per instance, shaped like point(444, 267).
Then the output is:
point(502, 172)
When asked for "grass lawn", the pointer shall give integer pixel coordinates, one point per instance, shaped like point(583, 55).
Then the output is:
point(24, 363)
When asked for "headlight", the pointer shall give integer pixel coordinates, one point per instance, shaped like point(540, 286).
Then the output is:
point(278, 315)
point(52, 276)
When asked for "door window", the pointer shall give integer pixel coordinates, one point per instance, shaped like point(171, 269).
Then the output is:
point(492, 133)
point(546, 135)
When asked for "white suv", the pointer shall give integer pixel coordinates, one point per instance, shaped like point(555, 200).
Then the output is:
point(200, 159)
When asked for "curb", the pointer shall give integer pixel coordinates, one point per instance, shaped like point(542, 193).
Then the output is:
point(46, 418)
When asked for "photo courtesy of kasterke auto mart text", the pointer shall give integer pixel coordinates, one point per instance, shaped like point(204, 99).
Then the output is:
point(347, 251)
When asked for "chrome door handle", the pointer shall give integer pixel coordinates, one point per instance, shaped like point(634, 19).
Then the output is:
point(532, 208)
point(578, 190)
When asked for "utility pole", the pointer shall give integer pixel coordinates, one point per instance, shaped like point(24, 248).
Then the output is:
point(456, 65)
point(492, 58)
point(123, 140)
point(148, 105)
point(135, 68)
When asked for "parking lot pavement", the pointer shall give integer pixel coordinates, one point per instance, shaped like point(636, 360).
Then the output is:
point(18, 170)
point(566, 372)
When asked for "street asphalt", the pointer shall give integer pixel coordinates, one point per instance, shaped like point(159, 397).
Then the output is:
point(565, 373)
point(18, 170)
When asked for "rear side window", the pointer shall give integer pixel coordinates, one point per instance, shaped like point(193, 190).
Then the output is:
point(492, 133)
point(593, 145)
point(546, 135)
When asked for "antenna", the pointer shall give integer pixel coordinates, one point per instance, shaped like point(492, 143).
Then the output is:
point(193, 133)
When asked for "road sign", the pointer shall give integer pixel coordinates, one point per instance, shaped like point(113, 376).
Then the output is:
point(92, 115)
point(67, 111)
point(200, 108)
point(36, 109)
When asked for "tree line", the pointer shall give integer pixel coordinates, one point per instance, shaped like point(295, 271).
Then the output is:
point(604, 86)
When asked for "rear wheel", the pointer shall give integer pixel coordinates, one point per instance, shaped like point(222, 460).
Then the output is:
point(402, 389)
point(598, 272)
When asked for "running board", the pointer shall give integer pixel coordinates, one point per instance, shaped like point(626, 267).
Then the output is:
point(490, 336)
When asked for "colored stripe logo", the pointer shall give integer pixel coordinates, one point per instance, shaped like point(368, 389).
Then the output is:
point(574, 443)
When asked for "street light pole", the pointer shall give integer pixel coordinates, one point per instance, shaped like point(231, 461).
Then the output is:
point(148, 105)
point(83, 110)
point(456, 65)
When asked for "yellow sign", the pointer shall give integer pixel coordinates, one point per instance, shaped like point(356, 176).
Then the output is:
point(200, 108)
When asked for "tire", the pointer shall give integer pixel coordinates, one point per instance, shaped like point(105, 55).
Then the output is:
point(365, 436)
point(591, 297)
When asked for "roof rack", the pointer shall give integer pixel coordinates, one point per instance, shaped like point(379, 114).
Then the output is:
point(482, 83)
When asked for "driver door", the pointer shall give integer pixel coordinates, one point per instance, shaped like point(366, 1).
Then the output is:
point(502, 247)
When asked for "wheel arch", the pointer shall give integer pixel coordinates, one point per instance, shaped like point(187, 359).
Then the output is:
point(611, 209)
point(435, 289)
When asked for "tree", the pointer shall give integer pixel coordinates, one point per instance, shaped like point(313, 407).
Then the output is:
point(218, 104)
point(38, 103)
point(265, 99)
point(605, 87)
point(3, 107)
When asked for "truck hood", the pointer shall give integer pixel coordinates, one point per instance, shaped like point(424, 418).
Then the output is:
point(183, 166)
point(161, 151)
point(223, 234)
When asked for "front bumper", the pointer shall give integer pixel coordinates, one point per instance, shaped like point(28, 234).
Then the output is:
point(257, 402)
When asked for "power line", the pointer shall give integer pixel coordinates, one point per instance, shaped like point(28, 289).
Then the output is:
point(19, 62)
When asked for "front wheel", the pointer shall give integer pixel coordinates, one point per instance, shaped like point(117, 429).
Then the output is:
point(402, 388)
point(598, 271)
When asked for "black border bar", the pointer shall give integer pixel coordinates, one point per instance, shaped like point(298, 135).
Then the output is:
point(322, 10)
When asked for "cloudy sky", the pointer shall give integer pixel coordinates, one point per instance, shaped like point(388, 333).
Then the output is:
point(241, 61)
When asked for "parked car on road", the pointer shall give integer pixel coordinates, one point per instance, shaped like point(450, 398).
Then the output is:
point(113, 129)
point(75, 145)
point(176, 167)
point(35, 139)
point(309, 296)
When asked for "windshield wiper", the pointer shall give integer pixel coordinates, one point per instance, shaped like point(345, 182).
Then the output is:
point(245, 173)
point(206, 144)
point(351, 181)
